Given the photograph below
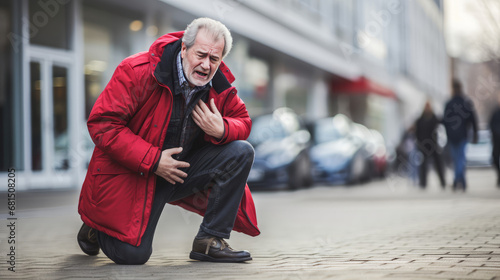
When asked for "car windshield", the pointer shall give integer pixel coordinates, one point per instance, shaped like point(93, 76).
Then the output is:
point(266, 128)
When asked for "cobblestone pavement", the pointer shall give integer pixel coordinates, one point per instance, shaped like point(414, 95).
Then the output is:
point(386, 229)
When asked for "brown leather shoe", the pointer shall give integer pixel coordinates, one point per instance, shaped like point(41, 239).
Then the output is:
point(87, 239)
point(216, 249)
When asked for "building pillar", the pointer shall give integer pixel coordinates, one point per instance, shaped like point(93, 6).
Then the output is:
point(317, 105)
point(281, 81)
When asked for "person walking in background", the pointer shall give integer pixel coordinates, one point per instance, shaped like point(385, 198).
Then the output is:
point(494, 125)
point(459, 117)
point(426, 134)
point(407, 156)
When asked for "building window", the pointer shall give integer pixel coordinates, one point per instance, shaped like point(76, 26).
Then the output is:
point(49, 23)
point(60, 104)
point(36, 116)
point(255, 83)
point(108, 39)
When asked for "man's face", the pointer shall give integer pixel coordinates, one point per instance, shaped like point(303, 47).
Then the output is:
point(201, 61)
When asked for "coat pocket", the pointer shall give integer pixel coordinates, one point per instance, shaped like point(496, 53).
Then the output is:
point(111, 180)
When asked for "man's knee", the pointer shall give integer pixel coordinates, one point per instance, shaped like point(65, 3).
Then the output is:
point(121, 252)
point(132, 256)
point(242, 149)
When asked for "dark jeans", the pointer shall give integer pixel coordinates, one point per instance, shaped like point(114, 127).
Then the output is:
point(221, 169)
point(438, 164)
point(459, 163)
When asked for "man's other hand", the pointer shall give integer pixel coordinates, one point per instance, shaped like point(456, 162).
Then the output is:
point(168, 167)
point(209, 119)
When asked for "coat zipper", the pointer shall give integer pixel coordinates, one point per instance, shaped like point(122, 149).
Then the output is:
point(146, 193)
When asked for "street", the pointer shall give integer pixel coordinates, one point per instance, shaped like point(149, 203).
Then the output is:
point(386, 229)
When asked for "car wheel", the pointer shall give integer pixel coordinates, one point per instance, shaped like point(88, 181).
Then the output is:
point(356, 171)
point(308, 174)
point(300, 173)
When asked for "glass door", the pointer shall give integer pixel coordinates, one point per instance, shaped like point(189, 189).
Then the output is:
point(50, 83)
point(42, 99)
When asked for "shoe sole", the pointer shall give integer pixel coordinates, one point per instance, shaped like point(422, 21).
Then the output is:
point(88, 252)
point(206, 258)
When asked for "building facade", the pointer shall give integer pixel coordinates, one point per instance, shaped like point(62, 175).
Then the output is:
point(376, 61)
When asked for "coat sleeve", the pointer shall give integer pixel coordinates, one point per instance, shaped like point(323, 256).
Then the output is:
point(109, 117)
point(237, 122)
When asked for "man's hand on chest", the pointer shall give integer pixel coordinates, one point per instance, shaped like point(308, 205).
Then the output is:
point(209, 119)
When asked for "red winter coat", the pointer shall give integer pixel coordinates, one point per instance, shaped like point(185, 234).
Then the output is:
point(128, 125)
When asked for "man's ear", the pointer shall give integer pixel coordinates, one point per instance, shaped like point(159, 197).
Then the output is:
point(183, 50)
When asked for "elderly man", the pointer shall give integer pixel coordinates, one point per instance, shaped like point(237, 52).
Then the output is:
point(169, 128)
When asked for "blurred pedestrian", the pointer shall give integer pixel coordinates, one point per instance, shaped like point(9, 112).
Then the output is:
point(459, 116)
point(495, 139)
point(169, 128)
point(426, 134)
point(407, 156)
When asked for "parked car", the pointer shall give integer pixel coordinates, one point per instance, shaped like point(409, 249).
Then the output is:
point(281, 145)
point(368, 150)
point(340, 152)
point(378, 150)
point(479, 154)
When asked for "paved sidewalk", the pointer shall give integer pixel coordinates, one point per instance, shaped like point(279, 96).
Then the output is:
point(386, 229)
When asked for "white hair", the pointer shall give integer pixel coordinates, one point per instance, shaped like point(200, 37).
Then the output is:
point(214, 28)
